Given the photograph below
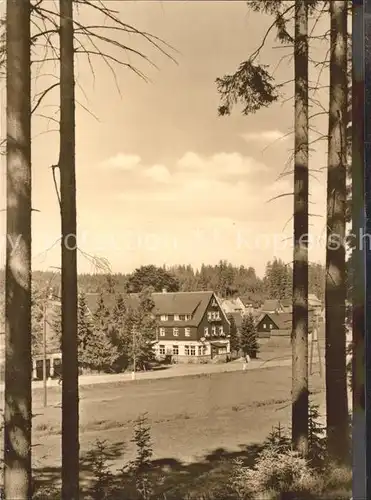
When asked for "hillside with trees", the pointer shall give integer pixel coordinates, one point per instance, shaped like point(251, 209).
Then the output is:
point(225, 279)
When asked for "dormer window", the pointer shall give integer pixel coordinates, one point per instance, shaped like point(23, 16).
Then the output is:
point(182, 317)
point(164, 317)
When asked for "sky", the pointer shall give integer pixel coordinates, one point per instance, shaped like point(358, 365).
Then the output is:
point(161, 178)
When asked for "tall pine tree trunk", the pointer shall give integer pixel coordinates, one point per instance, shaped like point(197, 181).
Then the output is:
point(300, 394)
point(70, 394)
point(18, 364)
point(358, 281)
point(335, 295)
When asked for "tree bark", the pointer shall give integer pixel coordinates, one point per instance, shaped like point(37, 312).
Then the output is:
point(335, 294)
point(70, 395)
point(300, 393)
point(18, 364)
point(358, 283)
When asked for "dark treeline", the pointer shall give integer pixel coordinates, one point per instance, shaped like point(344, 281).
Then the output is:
point(224, 278)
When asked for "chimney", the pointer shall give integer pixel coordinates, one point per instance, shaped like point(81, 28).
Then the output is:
point(164, 290)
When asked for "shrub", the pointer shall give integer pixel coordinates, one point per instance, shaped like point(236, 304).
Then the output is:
point(249, 336)
point(316, 438)
point(142, 439)
point(278, 439)
point(279, 472)
point(276, 474)
point(139, 469)
point(102, 476)
point(338, 479)
point(42, 492)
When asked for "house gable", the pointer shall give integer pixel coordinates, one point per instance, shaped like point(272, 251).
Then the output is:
point(282, 322)
point(266, 324)
point(179, 314)
point(214, 323)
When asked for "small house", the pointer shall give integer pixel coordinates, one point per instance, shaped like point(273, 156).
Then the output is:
point(250, 304)
point(272, 306)
point(234, 305)
point(279, 324)
point(314, 303)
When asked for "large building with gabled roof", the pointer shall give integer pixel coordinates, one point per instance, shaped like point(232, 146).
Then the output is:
point(191, 326)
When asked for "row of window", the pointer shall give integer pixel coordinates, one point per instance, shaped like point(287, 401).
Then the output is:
point(213, 315)
point(187, 331)
point(177, 317)
point(189, 350)
point(215, 330)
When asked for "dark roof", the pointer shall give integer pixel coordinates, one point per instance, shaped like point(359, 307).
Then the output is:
point(180, 302)
point(283, 321)
point(259, 316)
point(194, 303)
point(169, 303)
point(247, 300)
point(271, 305)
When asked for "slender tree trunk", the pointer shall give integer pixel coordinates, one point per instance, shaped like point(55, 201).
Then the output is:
point(70, 394)
point(358, 283)
point(18, 364)
point(365, 53)
point(300, 393)
point(335, 295)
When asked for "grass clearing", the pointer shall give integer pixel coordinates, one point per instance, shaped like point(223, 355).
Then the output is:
point(199, 424)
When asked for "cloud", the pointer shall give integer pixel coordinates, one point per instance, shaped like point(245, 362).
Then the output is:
point(122, 161)
point(265, 136)
point(224, 185)
point(158, 173)
point(221, 166)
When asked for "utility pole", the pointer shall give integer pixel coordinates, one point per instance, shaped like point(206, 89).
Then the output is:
point(45, 386)
point(315, 340)
point(48, 295)
point(134, 355)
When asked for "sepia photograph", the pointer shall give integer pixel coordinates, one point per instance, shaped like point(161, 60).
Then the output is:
point(182, 250)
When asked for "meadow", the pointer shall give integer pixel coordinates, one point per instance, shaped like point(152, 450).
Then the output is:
point(198, 423)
